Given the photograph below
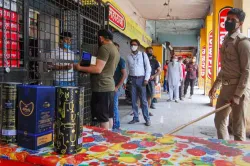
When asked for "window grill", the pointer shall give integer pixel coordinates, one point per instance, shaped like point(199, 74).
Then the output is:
point(35, 36)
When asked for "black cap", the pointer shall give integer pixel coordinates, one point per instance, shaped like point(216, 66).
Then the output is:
point(106, 34)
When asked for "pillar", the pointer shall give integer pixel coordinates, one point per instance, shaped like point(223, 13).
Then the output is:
point(220, 9)
point(202, 66)
point(208, 33)
point(244, 5)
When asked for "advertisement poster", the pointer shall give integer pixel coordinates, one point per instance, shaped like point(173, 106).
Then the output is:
point(9, 35)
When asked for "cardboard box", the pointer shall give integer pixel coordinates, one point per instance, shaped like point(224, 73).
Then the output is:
point(36, 107)
point(34, 141)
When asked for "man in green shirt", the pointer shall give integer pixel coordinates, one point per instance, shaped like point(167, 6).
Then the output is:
point(102, 80)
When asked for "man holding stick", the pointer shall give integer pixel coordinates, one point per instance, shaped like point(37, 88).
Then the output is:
point(234, 78)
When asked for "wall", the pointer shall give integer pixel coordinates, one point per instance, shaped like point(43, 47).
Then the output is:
point(129, 9)
point(179, 40)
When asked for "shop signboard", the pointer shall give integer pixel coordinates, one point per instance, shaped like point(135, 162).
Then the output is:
point(222, 33)
point(210, 55)
point(124, 24)
point(203, 62)
point(10, 32)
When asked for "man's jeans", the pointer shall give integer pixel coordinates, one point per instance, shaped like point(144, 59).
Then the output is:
point(116, 118)
point(139, 90)
point(165, 86)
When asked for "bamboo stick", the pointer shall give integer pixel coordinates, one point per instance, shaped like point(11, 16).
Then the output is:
point(198, 119)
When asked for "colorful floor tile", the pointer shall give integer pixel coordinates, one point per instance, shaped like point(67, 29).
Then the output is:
point(122, 148)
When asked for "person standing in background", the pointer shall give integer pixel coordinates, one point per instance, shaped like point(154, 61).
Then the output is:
point(174, 77)
point(155, 71)
point(119, 77)
point(192, 75)
point(139, 71)
point(181, 88)
point(165, 84)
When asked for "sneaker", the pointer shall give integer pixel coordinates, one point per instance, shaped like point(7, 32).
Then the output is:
point(148, 123)
point(176, 101)
point(169, 100)
point(133, 121)
point(190, 97)
point(181, 99)
point(150, 114)
point(184, 96)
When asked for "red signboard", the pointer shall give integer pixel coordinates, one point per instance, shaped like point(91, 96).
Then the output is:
point(222, 33)
point(116, 17)
point(12, 38)
point(210, 55)
point(203, 62)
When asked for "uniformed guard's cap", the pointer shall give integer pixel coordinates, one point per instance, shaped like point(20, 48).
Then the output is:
point(106, 34)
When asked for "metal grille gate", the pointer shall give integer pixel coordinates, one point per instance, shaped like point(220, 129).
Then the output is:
point(30, 33)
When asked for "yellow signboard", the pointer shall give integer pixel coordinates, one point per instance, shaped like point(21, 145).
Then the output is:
point(124, 24)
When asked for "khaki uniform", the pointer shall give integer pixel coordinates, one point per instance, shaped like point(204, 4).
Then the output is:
point(235, 80)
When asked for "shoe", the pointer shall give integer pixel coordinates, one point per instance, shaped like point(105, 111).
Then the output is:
point(152, 107)
point(184, 96)
point(181, 99)
point(190, 97)
point(148, 123)
point(176, 101)
point(169, 100)
point(150, 114)
point(133, 121)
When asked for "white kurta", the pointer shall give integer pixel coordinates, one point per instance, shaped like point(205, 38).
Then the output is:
point(174, 77)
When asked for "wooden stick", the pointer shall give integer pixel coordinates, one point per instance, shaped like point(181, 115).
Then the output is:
point(200, 118)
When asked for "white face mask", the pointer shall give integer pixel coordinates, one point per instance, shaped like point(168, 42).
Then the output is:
point(134, 48)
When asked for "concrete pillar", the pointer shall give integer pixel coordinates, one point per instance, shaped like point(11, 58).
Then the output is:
point(202, 60)
point(208, 32)
point(220, 9)
point(244, 5)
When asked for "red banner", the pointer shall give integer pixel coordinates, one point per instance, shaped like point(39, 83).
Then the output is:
point(222, 33)
point(12, 38)
point(116, 17)
point(203, 62)
point(210, 55)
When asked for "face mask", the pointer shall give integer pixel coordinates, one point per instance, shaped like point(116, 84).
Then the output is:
point(230, 26)
point(150, 55)
point(134, 48)
point(66, 46)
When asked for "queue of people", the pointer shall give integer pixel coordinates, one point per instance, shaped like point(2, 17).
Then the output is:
point(111, 72)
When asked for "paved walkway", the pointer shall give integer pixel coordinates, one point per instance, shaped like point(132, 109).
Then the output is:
point(168, 116)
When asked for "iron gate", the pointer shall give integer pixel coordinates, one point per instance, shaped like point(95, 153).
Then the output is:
point(31, 41)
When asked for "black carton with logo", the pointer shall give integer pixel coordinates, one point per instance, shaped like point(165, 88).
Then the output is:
point(36, 107)
point(69, 116)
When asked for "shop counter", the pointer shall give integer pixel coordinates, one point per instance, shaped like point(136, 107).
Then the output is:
point(122, 148)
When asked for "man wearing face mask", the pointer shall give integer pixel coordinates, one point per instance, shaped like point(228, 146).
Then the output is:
point(102, 80)
point(234, 78)
point(155, 71)
point(174, 78)
point(192, 75)
point(139, 71)
point(64, 72)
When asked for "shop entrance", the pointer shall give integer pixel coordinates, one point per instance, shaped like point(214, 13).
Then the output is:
point(30, 43)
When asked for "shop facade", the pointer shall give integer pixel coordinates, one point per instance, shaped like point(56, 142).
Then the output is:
point(30, 32)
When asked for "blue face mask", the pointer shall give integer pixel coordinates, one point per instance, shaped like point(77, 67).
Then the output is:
point(66, 46)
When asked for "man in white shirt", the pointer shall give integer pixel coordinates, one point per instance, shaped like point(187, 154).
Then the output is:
point(139, 71)
point(64, 57)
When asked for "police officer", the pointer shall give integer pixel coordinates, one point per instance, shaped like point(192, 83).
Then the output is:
point(234, 78)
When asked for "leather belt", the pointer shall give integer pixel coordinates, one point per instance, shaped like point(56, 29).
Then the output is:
point(227, 82)
point(136, 77)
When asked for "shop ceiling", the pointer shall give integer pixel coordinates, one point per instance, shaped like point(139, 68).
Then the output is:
point(173, 16)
